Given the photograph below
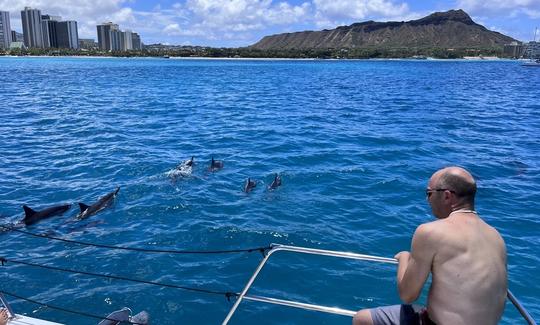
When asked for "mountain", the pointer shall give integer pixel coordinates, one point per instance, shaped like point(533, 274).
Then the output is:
point(450, 29)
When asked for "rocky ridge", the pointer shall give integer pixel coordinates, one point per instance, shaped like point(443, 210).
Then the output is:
point(450, 29)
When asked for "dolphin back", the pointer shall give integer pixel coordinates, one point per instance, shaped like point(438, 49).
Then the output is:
point(276, 182)
point(83, 207)
point(32, 216)
point(28, 212)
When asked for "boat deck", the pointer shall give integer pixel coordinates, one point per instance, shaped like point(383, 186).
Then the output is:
point(25, 320)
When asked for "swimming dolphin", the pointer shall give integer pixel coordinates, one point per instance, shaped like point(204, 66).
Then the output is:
point(32, 216)
point(102, 203)
point(186, 163)
point(124, 315)
point(275, 183)
point(216, 164)
point(185, 168)
point(249, 185)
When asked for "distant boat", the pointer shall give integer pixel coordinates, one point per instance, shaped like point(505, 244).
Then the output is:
point(166, 57)
point(480, 57)
point(531, 63)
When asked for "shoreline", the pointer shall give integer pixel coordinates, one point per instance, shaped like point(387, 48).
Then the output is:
point(468, 59)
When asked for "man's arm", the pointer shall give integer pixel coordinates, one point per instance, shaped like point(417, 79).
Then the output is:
point(414, 267)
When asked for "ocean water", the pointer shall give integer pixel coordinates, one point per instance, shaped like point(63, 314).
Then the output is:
point(354, 142)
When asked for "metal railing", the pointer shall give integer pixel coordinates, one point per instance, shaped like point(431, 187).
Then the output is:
point(325, 309)
point(6, 305)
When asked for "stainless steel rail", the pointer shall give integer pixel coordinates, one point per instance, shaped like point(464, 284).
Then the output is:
point(277, 248)
point(520, 308)
point(6, 304)
point(332, 310)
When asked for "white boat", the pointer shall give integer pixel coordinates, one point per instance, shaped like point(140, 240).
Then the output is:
point(533, 60)
point(531, 63)
point(25, 320)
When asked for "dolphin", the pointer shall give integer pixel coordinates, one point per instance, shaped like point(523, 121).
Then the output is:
point(32, 216)
point(102, 203)
point(275, 183)
point(185, 168)
point(186, 163)
point(216, 164)
point(250, 185)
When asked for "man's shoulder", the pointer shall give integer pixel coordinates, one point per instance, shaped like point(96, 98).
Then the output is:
point(432, 226)
point(428, 231)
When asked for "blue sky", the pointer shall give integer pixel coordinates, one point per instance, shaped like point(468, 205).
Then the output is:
point(232, 23)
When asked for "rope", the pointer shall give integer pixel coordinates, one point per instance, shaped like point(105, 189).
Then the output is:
point(146, 250)
point(64, 309)
point(227, 294)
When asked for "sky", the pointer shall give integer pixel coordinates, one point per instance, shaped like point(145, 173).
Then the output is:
point(236, 23)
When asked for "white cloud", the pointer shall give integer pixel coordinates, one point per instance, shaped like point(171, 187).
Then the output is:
point(343, 9)
point(172, 29)
point(244, 15)
point(329, 13)
point(509, 8)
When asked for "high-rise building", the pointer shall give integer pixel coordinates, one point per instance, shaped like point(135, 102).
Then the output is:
point(513, 49)
point(116, 40)
point(136, 41)
point(49, 30)
point(32, 27)
point(68, 36)
point(5, 30)
point(127, 39)
point(16, 37)
point(104, 35)
point(111, 38)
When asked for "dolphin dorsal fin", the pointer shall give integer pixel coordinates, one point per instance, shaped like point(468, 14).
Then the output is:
point(28, 212)
point(83, 206)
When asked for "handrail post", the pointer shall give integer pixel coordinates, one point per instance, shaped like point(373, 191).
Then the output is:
point(7, 305)
point(520, 308)
point(248, 285)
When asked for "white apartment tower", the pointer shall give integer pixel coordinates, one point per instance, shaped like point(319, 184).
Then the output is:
point(5, 30)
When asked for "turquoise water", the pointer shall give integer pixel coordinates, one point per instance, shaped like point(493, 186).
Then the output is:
point(354, 141)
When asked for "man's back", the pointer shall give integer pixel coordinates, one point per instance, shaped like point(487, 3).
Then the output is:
point(468, 271)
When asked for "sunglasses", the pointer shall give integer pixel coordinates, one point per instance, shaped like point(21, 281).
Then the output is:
point(431, 191)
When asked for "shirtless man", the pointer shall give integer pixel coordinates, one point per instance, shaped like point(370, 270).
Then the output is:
point(466, 257)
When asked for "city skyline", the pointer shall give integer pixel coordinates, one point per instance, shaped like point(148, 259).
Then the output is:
point(41, 30)
point(243, 22)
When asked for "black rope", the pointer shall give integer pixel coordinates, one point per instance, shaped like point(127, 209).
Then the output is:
point(227, 294)
point(146, 250)
point(64, 309)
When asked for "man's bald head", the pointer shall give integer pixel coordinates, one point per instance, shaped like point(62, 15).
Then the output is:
point(458, 180)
